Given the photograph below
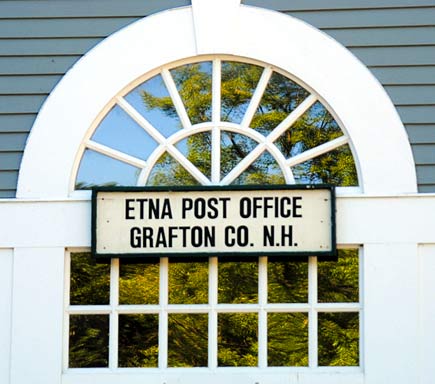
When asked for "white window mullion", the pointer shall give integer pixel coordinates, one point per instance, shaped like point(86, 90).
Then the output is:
point(312, 315)
point(114, 320)
point(66, 314)
point(216, 117)
point(212, 316)
point(163, 315)
point(256, 97)
point(262, 315)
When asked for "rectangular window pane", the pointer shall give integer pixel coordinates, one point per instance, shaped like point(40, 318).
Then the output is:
point(88, 341)
point(338, 339)
point(188, 282)
point(238, 282)
point(187, 340)
point(138, 340)
point(90, 282)
point(238, 339)
point(287, 282)
point(138, 283)
point(338, 280)
point(287, 339)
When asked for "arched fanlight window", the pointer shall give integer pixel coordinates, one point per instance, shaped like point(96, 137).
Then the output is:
point(217, 121)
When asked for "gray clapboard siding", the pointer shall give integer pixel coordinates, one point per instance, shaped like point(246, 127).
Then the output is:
point(426, 188)
point(12, 141)
point(43, 84)
point(7, 193)
point(417, 114)
point(36, 65)
point(21, 103)
point(16, 123)
point(405, 75)
point(86, 8)
point(8, 180)
point(284, 5)
point(10, 161)
point(424, 154)
point(396, 56)
point(46, 46)
point(426, 173)
point(412, 94)
point(421, 134)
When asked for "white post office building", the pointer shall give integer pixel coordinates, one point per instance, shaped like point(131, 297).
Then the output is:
point(206, 97)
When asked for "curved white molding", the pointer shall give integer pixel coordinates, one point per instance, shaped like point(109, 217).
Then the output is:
point(350, 91)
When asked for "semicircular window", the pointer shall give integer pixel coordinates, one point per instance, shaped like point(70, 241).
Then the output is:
point(217, 122)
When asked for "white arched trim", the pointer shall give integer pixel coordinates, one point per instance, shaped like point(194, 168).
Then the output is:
point(354, 96)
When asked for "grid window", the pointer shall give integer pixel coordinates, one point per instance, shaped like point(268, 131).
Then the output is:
point(211, 313)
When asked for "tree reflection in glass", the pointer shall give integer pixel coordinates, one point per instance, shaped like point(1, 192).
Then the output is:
point(188, 282)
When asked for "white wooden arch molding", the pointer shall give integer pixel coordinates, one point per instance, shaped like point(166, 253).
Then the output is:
point(377, 136)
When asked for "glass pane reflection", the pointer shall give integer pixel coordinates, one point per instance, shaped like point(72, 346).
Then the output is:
point(338, 339)
point(88, 341)
point(237, 339)
point(193, 82)
point(234, 148)
point(237, 282)
point(287, 339)
point(287, 282)
point(197, 149)
point(90, 282)
point(152, 100)
point(138, 283)
point(138, 340)
point(188, 283)
point(100, 170)
point(187, 340)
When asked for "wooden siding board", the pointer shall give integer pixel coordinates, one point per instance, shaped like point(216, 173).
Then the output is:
point(412, 94)
point(424, 154)
point(37, 65)
point(8, 180)
point(10, 161)
point(429, 188)
point(21, 103)
point(49, 28)
point(16, 123)
point(47, 46)
point(421, 134)
point(426, 174)
point(17, 85)
point(12, 141)
point(283, 5)
point(421, 114)
point(4, 194)
point(405, 75)
point(86, 8)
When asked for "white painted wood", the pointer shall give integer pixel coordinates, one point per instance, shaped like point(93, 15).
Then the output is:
point(379, 219)
point(6, 271)
point(262, 314)
point(114, 319)
point(385, 165)
point(163, 314)
point(427, 313)
point(312, 314)
point(216, 117)
point(391, 290)
point(212, 316)
point(37, 314)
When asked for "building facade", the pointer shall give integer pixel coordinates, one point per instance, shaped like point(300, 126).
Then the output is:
point(217, 93)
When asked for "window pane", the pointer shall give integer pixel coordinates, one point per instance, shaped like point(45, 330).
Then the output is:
point(100, 170)
point(234, 148)
point(238, 282)
point(187, 340)
point(287, 339)
point(88, 341)
point(138, 340)
point(280, 98)
point(151, 99)
point(287, 282)
point(239, 81)
point(197, 149)
point(237, 339)
point(194, 86)
point(119, 131)
point(338, 339)
point(168, 171)
point(90, 282)
point(338, 281)
point(138, 283)
point(188, 283)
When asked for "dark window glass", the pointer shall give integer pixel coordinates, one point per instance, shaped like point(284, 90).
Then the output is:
point(238, 282)
point(188, 283)
point(287, 282)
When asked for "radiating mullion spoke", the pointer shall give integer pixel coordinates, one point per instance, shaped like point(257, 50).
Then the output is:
point(176, 99)
point(216, 116)
point(317, 151)
point(245, 163)
point(291, 118)
point(113, 153)
point(256, 98)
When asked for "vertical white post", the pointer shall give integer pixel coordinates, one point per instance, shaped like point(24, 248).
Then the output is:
point(6, 270)
point(312, 316)
point(212, 316)
point(262, 315)
point(427, 312)
point(163, 315)
point(216, 118)
point(37, 313)
point(391, 312)
point(114, 320)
